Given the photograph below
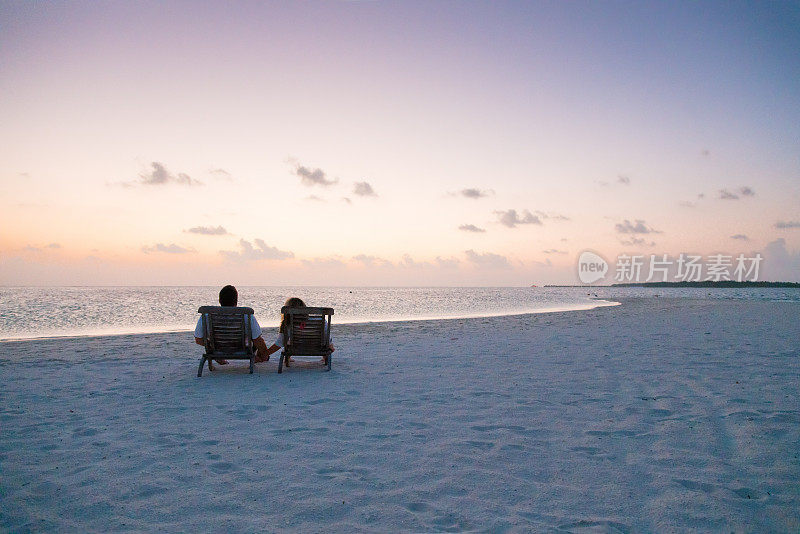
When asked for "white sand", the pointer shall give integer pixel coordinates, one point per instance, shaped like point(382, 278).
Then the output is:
point(657, 415)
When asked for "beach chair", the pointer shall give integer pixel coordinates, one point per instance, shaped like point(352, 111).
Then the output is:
point(308, 334)
point(227, 335)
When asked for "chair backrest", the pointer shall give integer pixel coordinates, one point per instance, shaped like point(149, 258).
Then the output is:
point(308, 330)
point(227, 329)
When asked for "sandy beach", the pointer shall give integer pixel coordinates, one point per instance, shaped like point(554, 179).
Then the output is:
point(660, 415)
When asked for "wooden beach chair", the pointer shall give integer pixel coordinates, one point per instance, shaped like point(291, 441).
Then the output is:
point(227, 335)
point(308, 334)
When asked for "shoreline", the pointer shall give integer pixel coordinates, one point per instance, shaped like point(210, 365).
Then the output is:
point(597, 303)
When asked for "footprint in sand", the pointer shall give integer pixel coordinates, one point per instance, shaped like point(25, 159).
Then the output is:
point(417, 507)
point(221, 467)
point(696, 486)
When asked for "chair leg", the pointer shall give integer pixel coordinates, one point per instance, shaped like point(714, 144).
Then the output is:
point(200, 369)
point(280, 363)
point(330, 357)
point(252, 362)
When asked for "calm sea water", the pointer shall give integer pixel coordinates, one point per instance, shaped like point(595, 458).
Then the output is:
point(35, 312)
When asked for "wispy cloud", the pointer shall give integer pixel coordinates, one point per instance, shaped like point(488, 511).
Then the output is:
point(511, 218)
point(221, 174)
point(315, 198)
point(554, 251)
point(475, 193)
point(622, 179)
point(487, 259)
point(347, 200)
point(447, 263)
point(638, 242)
point(745, 191)
point(159, 175)
point(552, 216)
point(785, 225)
point(172, 248)
point(34, 248)
point(363, 189)
point(261, 251)
point(207, 230)
point(313, 177)
point(370, 261)
point(637, 227)
point(740, 237)
point(471, 228)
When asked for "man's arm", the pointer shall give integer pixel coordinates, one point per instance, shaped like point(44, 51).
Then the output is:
point(200, 341)
point(261, 347)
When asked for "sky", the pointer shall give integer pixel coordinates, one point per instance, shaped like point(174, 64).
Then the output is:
point(392, 143)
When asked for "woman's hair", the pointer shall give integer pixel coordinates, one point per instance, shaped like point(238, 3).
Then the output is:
point(292, 302)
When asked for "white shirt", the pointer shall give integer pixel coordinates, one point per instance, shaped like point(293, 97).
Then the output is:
point(255, 328)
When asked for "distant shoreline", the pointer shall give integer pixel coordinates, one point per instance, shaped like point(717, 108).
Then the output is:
point(721, 283)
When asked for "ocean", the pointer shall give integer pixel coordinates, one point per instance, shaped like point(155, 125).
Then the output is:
point(41, 312)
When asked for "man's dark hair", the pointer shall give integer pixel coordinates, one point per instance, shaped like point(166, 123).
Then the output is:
point(228, 296)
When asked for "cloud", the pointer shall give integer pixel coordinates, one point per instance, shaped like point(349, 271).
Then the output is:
point(785, 225)
point(447, 263)
point(624, 180)
point(638, 242)
point(315, 198)
point(159, 175)
point(511, 218)
point(740, 237)
point(687, 204)
point(313, 177)
point(221, 174)
point(487, 259)
point(554, 251)
point(471, 192)
point(345, 199)
point(261, 251)
point(363, 189)
point(779, 264)
point(638, 227)
point(207, 230)
point(471, 228)
point(553, 216)
point(172, 248)
point(409, 262)
point(370, 261)
point(33, 248)
point(745, 191)
point(705, 152)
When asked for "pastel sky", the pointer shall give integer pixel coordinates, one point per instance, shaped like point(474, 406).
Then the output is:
point(392, 143)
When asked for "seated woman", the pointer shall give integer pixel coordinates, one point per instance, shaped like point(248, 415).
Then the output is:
point(280, 340)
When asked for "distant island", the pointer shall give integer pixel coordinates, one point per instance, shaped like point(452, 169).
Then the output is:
point(709, 283)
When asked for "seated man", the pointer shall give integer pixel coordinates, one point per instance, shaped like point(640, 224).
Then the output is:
point(228, 296)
